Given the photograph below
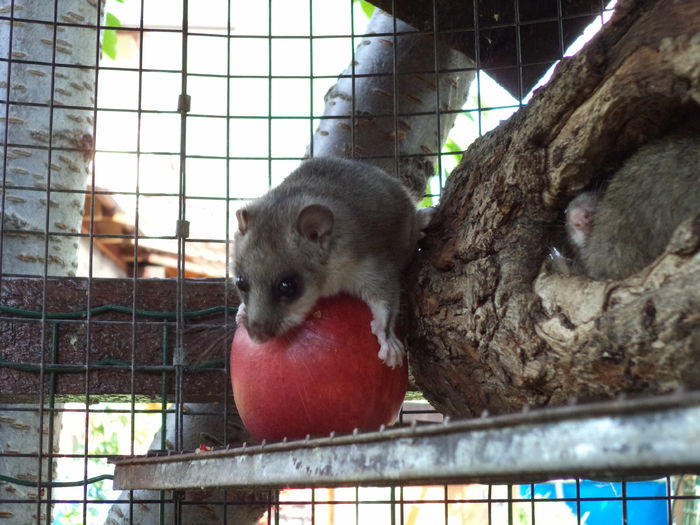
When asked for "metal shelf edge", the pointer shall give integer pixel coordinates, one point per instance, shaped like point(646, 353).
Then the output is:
point(649, 438)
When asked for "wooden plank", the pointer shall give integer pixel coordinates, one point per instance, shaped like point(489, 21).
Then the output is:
point(140, 346)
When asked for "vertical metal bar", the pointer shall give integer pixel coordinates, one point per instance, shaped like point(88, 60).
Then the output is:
point(560, 27)
point(269, 93)
point(578, 501)
point(477, 62)
point(445, 497)
point(669, 505)
point(179, 354)
point(311, 77)
point(164, 378)
point(163, 418)
point(395, 89)
point(277, 508)
point(181, 241)
point(52, 415)
point(624, 502)
point(510, 504)
point(313, 506)
point(490, 504)
point(91, 248)
point(436, 54)
point(518, 51)
point(227, 395)
point(353, 82)
point(44, 298)
point(134, 303)
point(134, 277)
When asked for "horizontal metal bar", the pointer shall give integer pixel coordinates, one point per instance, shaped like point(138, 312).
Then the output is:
point(621, 439)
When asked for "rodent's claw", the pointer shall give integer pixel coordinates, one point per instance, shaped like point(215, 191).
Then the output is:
point(240, 314)
point(423, 217)
point(391, 351)
point(390, 348)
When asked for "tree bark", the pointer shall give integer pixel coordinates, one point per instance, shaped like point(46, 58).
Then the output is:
point(391, 107)
point(494, 327)
point(21, 457)
point(46, 132)
point(47, 91)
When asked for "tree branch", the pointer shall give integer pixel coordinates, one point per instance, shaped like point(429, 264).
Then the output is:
point(487, 335)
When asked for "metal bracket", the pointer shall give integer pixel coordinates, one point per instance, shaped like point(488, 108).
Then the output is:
point(182, 229)
point(184, 103)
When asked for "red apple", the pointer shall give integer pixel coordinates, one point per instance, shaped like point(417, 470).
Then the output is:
point(322, 376)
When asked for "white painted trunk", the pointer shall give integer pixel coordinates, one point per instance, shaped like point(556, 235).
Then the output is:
point(373, 115)
point(46, 132)
point(46, 128)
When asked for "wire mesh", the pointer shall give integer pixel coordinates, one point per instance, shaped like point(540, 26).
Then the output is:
point(131, 132)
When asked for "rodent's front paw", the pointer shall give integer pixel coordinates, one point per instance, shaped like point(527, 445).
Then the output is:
point(391, 351)
point(240, 314)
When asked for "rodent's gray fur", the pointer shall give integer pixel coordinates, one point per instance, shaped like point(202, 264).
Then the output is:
point(374, 226)
point(656, 188)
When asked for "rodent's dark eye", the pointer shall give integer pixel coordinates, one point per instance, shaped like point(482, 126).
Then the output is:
point(242, 284)
point(288, 288)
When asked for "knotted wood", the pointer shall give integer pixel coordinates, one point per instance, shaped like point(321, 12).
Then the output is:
point(492, 326)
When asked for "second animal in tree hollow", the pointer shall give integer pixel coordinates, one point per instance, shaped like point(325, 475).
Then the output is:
point(618, 231)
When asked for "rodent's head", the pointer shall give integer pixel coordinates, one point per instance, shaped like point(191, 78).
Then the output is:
point(580, 216)
point(279, 265)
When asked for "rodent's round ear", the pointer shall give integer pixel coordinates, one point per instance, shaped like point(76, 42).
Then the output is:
point(243, 217)
point(315, 223)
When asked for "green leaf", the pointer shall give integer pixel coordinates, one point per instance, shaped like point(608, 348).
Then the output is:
point(112, 21)
point(367, 8)
point(109, 43)
point(452, 147)
point(109, 39)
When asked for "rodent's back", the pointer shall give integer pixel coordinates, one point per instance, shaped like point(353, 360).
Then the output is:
point(374, 212)
point(654, 191)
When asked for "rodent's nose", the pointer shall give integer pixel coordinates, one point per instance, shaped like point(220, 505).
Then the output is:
point(258, 332)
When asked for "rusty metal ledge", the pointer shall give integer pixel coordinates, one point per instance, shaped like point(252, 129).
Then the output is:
point(614, 440)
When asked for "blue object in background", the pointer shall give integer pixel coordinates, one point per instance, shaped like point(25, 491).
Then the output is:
point(606, 505)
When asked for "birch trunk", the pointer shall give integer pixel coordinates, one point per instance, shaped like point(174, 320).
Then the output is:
point(49, 53)
point(48, 85)
point(399, 120)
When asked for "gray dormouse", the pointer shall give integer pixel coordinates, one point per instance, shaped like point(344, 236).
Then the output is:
point(333, 225)
point(619, 231)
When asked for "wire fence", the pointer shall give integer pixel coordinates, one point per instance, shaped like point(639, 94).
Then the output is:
point(132, 130)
